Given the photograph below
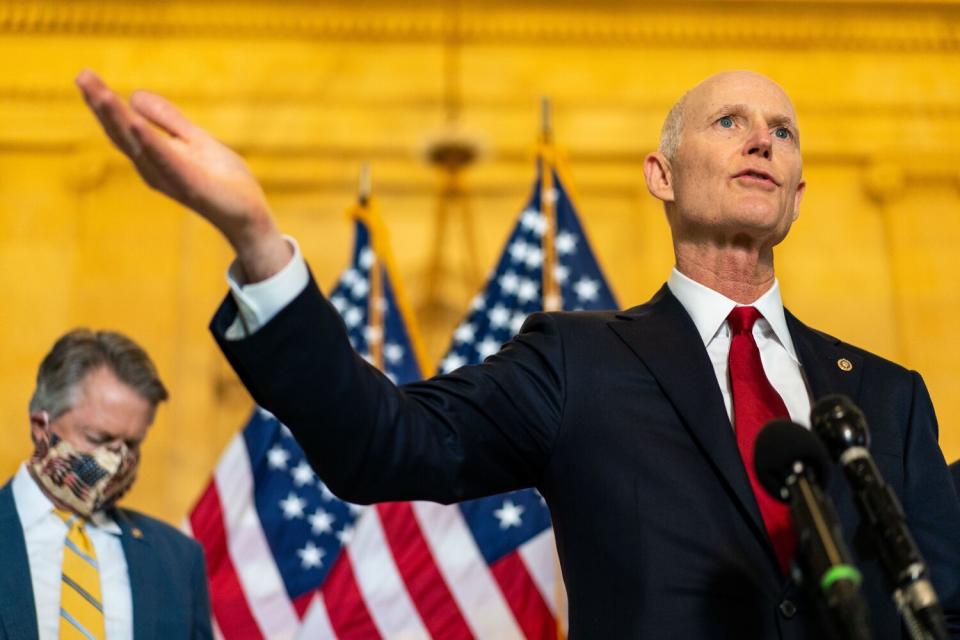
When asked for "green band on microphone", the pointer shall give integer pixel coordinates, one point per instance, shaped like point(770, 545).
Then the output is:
point(840, 572)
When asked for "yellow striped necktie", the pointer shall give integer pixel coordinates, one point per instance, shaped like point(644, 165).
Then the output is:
point(81, 604)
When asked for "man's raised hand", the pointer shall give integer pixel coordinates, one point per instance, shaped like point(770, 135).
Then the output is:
point(183, 161)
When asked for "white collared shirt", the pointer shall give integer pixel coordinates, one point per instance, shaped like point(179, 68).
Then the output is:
point(45, 534)
point(709, 310)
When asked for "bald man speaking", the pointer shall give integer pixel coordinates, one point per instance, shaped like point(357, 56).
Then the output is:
point(635, 425)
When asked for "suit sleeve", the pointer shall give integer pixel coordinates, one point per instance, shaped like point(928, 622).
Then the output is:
point(931, 504)
point(483, 429)
point(202, 625)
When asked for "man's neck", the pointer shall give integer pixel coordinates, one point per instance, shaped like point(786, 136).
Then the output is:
point(740, 274)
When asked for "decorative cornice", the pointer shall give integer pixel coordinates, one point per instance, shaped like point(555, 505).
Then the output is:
point(923, 26)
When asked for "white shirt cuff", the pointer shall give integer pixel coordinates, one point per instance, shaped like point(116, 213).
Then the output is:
point(259, 302)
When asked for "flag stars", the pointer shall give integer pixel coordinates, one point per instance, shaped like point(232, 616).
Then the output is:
point(277, 457)
point(353, 317)
point(509, 514)
point(292, 506)
point(478, 303)
point(487, 347)
point(518, 251)
point(321, 521)
point(464, 333)
point(349, 277)
point(527, 291)
point(533, 221)
point(499, 316)
point(566, 243)
point(452, 362)
point(302, 474)
point(534, 258)
point(360, 288)
point(393, 353)
point(516, 322)
point(311, 556)
point(586, 289)
point(367, 258)
point(325, 493)
point(509, 282)
point(345, 535)
point(561, 273)
point(339, 303)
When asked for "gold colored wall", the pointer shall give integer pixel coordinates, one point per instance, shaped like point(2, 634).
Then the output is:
point(309, 90)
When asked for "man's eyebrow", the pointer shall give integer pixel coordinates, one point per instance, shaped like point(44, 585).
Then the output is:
point(729, 109)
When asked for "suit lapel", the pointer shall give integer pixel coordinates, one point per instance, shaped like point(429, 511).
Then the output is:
point(662, 334)
point(827, 366)
point(142, 569)
point(18, 617)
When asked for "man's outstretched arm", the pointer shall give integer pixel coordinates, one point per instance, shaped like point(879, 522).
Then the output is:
point(184, 162)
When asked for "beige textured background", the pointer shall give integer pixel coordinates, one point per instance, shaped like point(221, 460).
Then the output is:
point(308, 90)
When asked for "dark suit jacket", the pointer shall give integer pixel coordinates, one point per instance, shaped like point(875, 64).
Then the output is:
point(167, 578)
point(955, 472)
point(618, 420)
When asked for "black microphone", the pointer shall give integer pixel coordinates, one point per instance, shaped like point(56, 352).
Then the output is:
point(792, 465)
point(843, 428)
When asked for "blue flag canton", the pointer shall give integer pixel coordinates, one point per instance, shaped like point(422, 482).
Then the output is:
point(514, 290)
point(351, 298)
point(501, 523)
point(304, 523)
point(582, 284)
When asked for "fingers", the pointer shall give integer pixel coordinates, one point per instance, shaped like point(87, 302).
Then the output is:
point(161, 112)
point(116, 118)
point(160, 164)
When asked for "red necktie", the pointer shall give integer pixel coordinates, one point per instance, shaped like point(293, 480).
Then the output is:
point(755, 402)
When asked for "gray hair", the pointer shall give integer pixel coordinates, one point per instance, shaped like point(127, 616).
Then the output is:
point(82, 351)
point(673, 128)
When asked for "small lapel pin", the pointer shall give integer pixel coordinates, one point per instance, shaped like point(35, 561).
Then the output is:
point(844, 364)
point(136, 533)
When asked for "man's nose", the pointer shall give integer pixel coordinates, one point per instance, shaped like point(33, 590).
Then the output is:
point(759, 142)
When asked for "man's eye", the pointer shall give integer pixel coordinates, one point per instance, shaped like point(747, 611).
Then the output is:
point(726, 122)
point(783, 133)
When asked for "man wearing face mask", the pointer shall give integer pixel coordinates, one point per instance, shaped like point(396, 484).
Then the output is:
point(75, 564)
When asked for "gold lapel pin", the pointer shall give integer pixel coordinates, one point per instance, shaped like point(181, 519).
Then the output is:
point(136, 533)
point(844, 364)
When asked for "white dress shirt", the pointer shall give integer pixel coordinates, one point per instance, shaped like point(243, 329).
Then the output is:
point(258, 303)
point(45, 534)
point(709, 311)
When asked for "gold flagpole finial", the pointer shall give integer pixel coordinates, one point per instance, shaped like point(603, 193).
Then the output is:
point(546, 120)
point(365, 185)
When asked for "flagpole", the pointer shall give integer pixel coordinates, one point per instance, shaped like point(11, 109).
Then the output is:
point(551, 292)
point(367, 211)
point(548, 199)
point(376, 299)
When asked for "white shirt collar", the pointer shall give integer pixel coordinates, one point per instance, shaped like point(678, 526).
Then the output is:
point(709, 309)
point(33, 505)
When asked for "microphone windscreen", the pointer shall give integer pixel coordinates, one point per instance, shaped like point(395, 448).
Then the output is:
point(780, 445)
point(839, 423)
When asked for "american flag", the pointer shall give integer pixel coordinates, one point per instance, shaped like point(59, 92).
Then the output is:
point(287, 559)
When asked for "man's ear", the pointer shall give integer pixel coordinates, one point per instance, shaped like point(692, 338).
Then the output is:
point(659, 176)
point(39, 422)
point(798, 196)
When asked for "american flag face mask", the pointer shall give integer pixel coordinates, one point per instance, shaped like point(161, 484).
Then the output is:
point(83, 482)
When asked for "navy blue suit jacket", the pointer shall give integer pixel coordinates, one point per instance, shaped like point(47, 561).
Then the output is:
point(617, 419)
point(167, 578)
